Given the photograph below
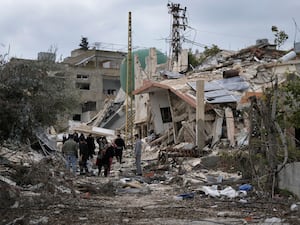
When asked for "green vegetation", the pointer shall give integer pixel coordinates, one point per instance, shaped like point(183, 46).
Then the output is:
point(84, 45)
point(280, 36)
point(292, 100)
point(208, 52)
point(31, 98)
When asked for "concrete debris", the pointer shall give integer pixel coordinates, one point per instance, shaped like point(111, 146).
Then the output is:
point(45, 183)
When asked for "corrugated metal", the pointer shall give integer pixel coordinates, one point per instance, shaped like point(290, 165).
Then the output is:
point(171, 75)
point(224, 90)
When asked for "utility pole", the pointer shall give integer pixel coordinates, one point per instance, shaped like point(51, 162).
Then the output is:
point(179, 23)
point(129, 89)
point(200, 115)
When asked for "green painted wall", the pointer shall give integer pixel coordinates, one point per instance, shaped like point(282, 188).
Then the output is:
point(142, 54)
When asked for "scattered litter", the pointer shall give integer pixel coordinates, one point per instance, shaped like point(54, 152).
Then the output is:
point(245, 187)
point(229, 192)
point(242, 193)
point(129, 185)
point(273, 220)
point(211, 191)
point(184, 196)
point(83, 218)
point(243, 201)
point(294, 207)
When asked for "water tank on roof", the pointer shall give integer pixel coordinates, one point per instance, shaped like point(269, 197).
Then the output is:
point(262, 41)
point(141, 54)
point(289, 56)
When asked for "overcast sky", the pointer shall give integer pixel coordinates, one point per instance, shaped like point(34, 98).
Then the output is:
point(31, 26)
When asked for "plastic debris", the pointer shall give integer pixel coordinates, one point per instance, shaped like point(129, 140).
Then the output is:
point(211, 191)
point(245, 187)
point(214, 192)
point(185, 196)
point(294, 207)
point(273, 220)
point(229, 192)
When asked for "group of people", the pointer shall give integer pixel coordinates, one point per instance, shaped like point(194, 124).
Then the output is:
point(86, 147)
point(105, 155)
point(107, 150)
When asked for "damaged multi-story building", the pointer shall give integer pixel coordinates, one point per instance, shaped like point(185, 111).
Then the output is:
point(96, 75)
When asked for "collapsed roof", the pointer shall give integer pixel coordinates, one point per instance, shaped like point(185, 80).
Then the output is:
point(232, 79)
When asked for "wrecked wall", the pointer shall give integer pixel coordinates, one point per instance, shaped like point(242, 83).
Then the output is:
point(289, 178)
point(159, 100)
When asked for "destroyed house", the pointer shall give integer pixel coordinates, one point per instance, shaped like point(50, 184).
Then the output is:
point(170, 105)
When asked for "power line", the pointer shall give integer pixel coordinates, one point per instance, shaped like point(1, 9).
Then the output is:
point(224, 34)
point(179, 22)
point(296, 29)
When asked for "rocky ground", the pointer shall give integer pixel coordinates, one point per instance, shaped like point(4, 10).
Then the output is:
point(40, 191)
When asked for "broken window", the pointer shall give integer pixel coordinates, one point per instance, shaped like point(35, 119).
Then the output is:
point(77, 117)
point(89, 106)
point(106, 65)
point(83, 86)
point(82, 77)
point(110, 65)
point(110, 92)
point(166, 115)
point(59, 74)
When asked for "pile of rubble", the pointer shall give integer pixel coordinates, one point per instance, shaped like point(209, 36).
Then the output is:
point(36, 189)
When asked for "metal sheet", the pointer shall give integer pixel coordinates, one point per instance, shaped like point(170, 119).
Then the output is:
point(221, 91)
point(223, 99)
point(171, 75)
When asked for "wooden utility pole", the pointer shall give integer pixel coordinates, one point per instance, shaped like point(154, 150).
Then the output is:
point(129, 89)
point(200, 109)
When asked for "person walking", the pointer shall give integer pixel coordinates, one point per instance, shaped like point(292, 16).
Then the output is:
point(119, 146)
point(99, 160)
point(107, 159)
point(70, 153)
point(90, 140)
point(84, 156)
point(76, 137)
point(138, 154)
point(64, 138)
point(102, 142)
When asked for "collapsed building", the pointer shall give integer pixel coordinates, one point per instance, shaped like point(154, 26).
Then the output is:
point(167, 106)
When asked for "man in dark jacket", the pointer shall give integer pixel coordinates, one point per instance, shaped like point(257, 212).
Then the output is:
point(84, 156)
point(119, 146)
point(91, 145)
point(70, 153)
point(107, 159)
